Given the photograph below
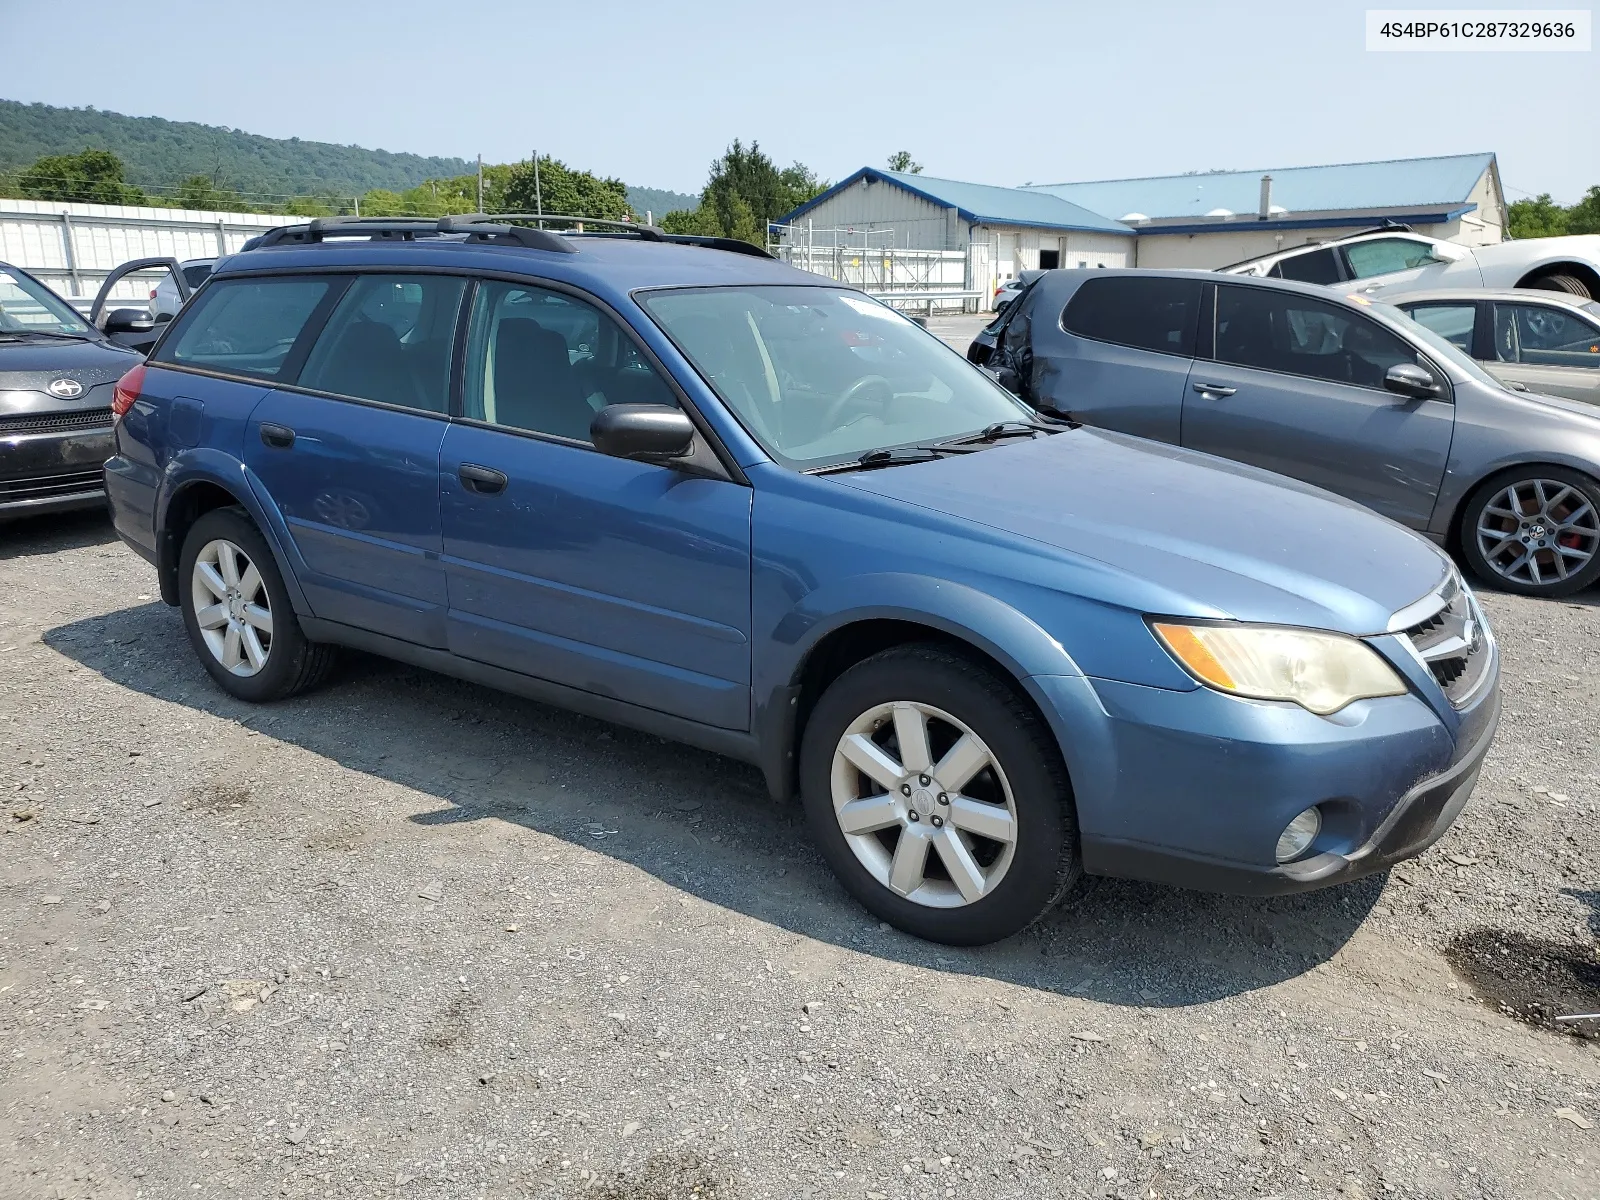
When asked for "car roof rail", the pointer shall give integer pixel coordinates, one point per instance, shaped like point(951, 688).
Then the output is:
point(488, 228)
point(650, 233)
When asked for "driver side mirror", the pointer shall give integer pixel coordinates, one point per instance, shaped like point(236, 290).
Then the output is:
point(647, 432)
point(1412, 382)
point(128, 320)
point(1449, 252)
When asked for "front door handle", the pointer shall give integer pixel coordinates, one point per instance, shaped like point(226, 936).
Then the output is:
point(1214, 391)
point(280, 437)
point(483, 480)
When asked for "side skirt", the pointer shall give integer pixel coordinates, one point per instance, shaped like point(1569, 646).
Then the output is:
point(731, 743)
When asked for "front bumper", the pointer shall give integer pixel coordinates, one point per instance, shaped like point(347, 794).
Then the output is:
point(52, 472)
point(1193, 788)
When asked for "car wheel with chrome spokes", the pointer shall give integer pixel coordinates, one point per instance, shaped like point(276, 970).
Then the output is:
point(1535, 531)
point(938, 796)
point(238, 613)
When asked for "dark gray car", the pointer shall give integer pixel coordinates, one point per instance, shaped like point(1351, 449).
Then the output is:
point(1348, 394)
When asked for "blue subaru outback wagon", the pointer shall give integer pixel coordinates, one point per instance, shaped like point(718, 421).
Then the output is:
point(692, 490)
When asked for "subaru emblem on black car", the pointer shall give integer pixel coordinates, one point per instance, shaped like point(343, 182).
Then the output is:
point(67, 389)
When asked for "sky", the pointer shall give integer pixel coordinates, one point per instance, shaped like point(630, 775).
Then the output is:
point(1003, 93)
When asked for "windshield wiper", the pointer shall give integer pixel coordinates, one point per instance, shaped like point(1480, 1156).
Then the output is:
point(893, 456)
point(1003, 429)
point(43, 333)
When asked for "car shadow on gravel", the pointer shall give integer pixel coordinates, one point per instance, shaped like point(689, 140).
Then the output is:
point(51, 534)
point(706, 825)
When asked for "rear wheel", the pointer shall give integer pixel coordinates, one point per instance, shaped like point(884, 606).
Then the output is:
point(238, 615)
point(1570, 284)
point(1534, 530)
point(938, 797)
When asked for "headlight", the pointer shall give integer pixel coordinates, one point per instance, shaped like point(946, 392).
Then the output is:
point(1321, 672)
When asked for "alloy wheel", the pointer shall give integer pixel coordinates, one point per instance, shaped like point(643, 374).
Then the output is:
point(1538, 531)
point(924, 804)
point(232, 607)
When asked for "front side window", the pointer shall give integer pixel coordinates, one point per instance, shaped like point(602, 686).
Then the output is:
point(1453, 322)
point(546, 362)
point(1296, 335)
point(821, 375)
point(1315, 266)
point(29, 307)
point(1541, 335)
point(389, 340)
point(1133, 310)
point(1384, 256)
point(245, 326)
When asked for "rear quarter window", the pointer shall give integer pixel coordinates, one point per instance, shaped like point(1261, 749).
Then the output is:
point(1147, 313)
point(244, 326)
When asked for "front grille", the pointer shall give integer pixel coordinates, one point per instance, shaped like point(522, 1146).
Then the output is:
point(47, 486)
point(1453, 643)
point(56, 422)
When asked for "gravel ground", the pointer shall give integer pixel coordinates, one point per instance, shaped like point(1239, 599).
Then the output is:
point(408, 937)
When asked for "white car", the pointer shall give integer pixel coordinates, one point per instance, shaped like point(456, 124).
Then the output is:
point(1394, 261)
point(164, 301)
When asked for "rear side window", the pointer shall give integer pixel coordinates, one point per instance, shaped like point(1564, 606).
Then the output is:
point(1273, 330)
point(1453, 322)
point(1319, 266)
point(1131, 310)
point(390, 340)
point(195, 276)
point(244, 326)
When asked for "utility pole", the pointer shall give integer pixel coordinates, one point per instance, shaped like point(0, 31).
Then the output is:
point(357, 200)
point(538, 195)
point(480, 183)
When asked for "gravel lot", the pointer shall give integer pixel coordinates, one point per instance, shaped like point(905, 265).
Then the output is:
point(408, 937)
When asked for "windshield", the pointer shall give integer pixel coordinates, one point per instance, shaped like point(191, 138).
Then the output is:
point(1440, 347)
point(29, 307)
point(820, 375)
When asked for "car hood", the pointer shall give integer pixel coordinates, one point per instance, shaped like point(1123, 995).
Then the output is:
point(1583, 246)
point(1183, 534)
point(28, 368)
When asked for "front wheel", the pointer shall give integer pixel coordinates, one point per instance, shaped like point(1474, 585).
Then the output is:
point(938, 797)
point(238, 615)
point(1534, 531)
point(1570, 284)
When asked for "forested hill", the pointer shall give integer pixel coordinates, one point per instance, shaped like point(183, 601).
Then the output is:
point(158, 154)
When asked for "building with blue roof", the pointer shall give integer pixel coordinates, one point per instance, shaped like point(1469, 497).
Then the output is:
point(1196, 220)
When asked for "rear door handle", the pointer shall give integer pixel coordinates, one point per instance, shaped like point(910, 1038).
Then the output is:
point(279, 436)
point(483, 480)
point(1214, 391)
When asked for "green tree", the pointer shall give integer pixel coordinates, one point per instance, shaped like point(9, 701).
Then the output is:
point(1539, 217)
point(201, 192)
point(900, 160)
point(565, 191)
point(91, 176)
point(745, 192)
point(1584, 216)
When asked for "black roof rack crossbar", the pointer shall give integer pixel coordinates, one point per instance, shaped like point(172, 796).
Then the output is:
point(481, 228)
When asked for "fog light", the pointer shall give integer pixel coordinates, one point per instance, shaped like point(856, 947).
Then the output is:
point(1298, 835)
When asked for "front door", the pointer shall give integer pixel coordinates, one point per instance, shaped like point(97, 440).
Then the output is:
point(1547, 348)
point(1296, 386)
point(625, 579)
point(353, 464)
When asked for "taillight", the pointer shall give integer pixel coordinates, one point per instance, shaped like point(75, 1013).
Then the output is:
point(152, 293)
point(127, 391)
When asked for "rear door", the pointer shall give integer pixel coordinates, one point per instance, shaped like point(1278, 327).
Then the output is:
point(1124, 359)
point(1547, 348)
point(625, 579)
point(350, 455)
point(1295, 385)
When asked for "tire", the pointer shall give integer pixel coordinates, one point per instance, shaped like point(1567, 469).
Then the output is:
point(1556, 509)
point(288, 662)
point(1020, 789)
point(1570, 284)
